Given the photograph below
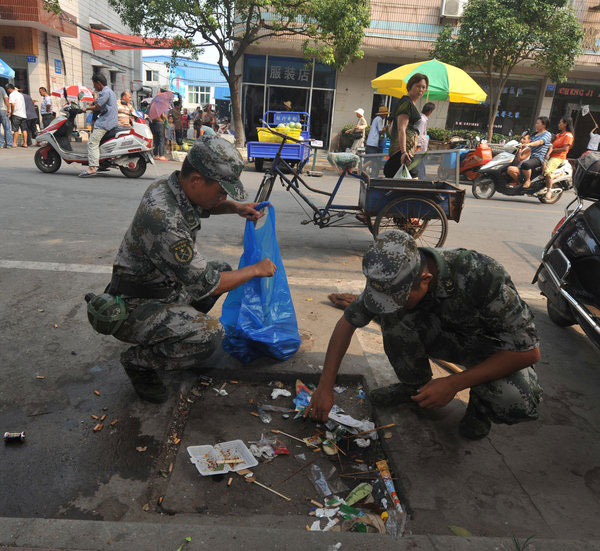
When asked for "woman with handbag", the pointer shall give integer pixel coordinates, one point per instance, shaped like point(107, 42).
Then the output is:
point(358, 132)
point(405, 132)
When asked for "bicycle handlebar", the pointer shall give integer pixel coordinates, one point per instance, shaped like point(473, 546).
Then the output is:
point(285, 136)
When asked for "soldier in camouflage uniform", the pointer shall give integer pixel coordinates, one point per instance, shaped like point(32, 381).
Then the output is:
point(161, 274)
point(451, 304)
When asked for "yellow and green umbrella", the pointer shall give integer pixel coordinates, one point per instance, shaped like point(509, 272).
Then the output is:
point(446, 82)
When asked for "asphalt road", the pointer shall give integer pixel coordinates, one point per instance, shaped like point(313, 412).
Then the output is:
point(59, 235)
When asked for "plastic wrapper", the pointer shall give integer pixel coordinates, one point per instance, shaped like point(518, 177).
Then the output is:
point(259, 317)
point(324, 477)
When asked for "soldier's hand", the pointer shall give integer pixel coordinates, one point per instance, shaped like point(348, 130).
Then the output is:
point(265, 268)
point(436, 393)
point(248, 211)
point(320, 405)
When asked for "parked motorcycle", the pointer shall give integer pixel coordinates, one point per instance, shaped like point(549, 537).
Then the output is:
point(569, 275)
point(127, 148)
point(493, 178)
point(471, 160)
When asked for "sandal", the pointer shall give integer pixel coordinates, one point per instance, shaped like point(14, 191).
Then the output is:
point(88, 174)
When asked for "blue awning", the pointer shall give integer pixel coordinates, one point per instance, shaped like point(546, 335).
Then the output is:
point(6, 71)
point(222, 92)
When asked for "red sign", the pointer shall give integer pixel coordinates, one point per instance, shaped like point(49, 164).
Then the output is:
point(578, 92)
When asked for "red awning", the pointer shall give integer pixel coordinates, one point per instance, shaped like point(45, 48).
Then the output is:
point(102, 40)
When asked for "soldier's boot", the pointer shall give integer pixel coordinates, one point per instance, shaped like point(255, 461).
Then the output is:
point(475, 424)
point(146, 382)
point(399, 393)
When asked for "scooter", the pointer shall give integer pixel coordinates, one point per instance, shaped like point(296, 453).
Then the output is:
point(493, 177)
point(569, 273)
point(471, 160)
point(127, 148)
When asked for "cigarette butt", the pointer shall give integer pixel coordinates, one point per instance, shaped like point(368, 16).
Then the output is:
point(204, 384)
point(308, 527)
point(180, 396)
point(315, 503)
point(176, 441)
point(160, 500)
point(251, 400)
point(40, 377)
point(229, 461)
point(359, 461)
point(98, 427)
point(234, 382)
point(230, 481)
point(94, 417)
point(308, 300)
point(254, 413)
point(113, 423)
point(97, 392)
point(317, 450)
point(56, 326)
point(171, 468)
point(103, 417)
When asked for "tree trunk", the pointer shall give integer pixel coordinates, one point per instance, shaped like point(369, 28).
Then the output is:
point(493, 111)
point(236, 108)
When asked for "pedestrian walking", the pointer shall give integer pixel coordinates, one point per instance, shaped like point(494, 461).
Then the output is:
point(423, 140)
point(160, 276)
point(47, 110)
point(358, 132)
point(378, 127)
point(18, 114)
point(32, 118)
point(6, 137)
point(405, 117)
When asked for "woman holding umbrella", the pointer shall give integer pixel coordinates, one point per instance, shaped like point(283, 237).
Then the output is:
point(405, 118)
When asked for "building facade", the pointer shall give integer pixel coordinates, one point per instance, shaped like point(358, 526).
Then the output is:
point(51, 51)
point(197, 83)
point(404, 31)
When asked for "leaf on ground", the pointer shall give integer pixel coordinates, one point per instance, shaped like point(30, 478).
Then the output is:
point(460, 531)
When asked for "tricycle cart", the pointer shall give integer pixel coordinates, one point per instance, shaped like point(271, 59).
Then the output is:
point(268, 144)
point(421, 208)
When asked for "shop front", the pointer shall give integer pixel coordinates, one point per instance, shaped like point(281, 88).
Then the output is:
point(275, 83)
point(18, 48)
point(569, 99)
point(516, 111)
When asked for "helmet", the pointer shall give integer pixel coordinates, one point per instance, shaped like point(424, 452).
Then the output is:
point(106, 313)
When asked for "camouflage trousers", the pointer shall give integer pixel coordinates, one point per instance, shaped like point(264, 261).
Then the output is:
point(511, 399)
point(171, 336)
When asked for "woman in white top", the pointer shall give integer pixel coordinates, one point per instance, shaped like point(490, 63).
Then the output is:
point(358, 132)
point(594, 139)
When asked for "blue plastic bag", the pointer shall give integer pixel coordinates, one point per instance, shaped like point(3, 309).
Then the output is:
point(259, 316)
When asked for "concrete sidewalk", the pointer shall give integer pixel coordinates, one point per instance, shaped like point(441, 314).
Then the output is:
point(77, 535)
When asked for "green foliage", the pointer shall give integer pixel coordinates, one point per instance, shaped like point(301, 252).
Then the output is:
point(443, 135)
point(495, 36)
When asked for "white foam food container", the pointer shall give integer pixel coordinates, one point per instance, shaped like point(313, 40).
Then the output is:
point(205, 457)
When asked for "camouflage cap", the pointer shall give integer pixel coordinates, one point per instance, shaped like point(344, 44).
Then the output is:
point(218, 159)
point(390, 265)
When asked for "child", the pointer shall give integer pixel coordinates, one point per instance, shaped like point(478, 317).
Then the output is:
point(170, 134)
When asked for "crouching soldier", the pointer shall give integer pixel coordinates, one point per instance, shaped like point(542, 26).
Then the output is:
point(162, 287)
point(451, 304)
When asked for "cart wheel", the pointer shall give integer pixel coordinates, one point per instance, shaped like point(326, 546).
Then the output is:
point(258, 164)
point(421, 218)
point(265, 189)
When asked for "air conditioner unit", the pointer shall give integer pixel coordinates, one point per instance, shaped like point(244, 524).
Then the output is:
point(453, 8)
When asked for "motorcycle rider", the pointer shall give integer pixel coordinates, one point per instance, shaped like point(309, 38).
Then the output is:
point(106, 106)
point(539, 147)
point(557, 153)
point(522, 154)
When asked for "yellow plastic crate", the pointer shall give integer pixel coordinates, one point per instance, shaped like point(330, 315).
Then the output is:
point(265, 135)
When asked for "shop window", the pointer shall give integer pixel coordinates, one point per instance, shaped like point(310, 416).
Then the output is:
point(199, 94)
point(254, 68)
point(253, 109)
point(21, 81)
point(320, 115)
point(324, 76)
point(151, 76)
point(277, 95)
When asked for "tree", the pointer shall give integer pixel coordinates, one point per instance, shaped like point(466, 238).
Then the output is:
point(495, 36)
point(330, 30)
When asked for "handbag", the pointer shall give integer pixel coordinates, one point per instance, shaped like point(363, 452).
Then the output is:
point(357, 134)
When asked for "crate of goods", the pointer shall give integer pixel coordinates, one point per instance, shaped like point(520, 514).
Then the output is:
point(265, 135)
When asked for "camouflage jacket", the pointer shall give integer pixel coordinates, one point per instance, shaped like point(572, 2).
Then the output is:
point(159, 247)
point(474, 300)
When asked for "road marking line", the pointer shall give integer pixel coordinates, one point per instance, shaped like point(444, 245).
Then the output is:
point(350, 285)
